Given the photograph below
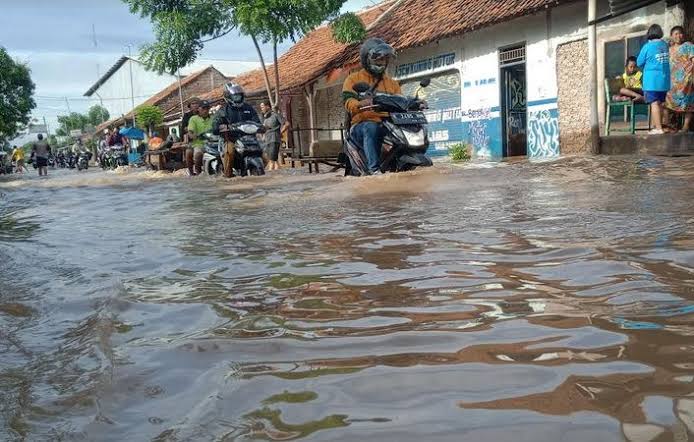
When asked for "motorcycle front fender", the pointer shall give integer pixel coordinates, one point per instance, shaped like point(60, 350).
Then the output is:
point(413, 160)
point(255, 163)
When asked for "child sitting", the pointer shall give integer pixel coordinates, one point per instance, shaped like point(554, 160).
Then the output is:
point(631, 78)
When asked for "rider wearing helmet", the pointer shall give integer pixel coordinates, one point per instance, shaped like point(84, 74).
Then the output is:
point(375, 55)
point(234, 110)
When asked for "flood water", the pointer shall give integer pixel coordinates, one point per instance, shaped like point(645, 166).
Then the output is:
point(509, 302)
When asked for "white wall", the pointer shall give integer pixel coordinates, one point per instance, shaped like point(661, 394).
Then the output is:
point(476, 58)
point(115, 92)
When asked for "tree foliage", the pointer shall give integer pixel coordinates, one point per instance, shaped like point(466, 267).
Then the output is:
point(75, 120)
point(16, 95)
point(72, 121)
point(182, 27)
point(148, 116)
point(97, 115)
point(348, 29)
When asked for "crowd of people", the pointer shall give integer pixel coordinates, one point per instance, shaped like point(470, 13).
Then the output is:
point(663, 76)
point(198, 121)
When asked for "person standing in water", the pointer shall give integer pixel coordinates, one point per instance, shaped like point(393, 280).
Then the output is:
point(40, 151)
point(273, 123)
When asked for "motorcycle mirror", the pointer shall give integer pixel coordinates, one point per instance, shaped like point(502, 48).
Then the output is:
point(360, 88)
point(425, 82)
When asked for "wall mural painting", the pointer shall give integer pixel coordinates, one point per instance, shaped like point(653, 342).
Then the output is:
point(543, 134)
point(444, 113)
point(518, 100)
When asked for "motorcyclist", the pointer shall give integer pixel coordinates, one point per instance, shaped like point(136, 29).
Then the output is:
point(375, 55)
point(197, 125)
point(235, 110)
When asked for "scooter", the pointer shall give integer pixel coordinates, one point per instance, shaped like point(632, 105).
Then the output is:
point(405, 139)
point(212, 157)
point(248, 154)
point(83, 161)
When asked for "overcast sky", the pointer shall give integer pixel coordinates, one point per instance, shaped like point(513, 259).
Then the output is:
point(55, 38)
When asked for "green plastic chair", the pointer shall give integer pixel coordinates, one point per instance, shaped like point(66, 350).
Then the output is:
point(612, 87)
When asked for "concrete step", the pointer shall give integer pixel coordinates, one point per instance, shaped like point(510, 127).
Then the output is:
point(679, 144)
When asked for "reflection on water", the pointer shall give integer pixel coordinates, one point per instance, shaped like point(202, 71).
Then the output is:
point(518, 302)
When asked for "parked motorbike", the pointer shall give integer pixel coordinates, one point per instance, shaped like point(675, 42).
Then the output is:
point(405, 139)
point(83, 161)
point(51, 161)
point(248, 153)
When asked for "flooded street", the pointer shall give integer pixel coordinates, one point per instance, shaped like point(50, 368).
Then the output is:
point(504, 302)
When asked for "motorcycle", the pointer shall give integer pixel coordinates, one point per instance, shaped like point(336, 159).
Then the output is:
point(51, 161)
point(405, 139)
point(71, 160)
point(212, 157)
point(83, 161)
point(248, 153)
point(114, 158)
point(61, 161)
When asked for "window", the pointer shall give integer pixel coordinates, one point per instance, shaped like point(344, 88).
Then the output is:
point(617, 51)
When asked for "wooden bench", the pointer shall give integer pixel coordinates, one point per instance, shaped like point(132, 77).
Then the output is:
point(322, 151)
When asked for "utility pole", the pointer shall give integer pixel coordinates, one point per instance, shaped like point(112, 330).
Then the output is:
point(593, 79)
point(48, 132)
point(67, 102)
point(180, 97)
point(132, 93)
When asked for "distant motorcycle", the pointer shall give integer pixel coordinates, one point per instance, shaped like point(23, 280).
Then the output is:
point(114, 158)
point(83, 161)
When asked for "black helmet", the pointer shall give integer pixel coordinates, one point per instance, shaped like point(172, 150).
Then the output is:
point(372, 49)
point(234, 94)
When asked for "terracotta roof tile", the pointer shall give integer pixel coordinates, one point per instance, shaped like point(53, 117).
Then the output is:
point(408, 23)
point(158, 98)
point(305, 60)
point(419, 22)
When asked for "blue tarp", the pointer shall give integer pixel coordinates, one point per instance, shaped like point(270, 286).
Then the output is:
point(133, 133)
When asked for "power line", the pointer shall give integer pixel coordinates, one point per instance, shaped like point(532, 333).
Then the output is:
point(45, 97)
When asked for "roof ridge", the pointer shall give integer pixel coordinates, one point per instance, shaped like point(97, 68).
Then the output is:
point(385, 14)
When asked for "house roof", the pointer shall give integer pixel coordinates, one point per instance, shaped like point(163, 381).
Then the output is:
point(117, 65)
point(402, 23)
point(419, 22)
point(304, 61)
point(161, 96)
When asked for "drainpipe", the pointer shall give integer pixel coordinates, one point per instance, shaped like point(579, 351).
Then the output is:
point(593, 66)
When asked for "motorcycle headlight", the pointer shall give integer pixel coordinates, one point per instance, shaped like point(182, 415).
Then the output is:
point(249, 129)
point(417, 138)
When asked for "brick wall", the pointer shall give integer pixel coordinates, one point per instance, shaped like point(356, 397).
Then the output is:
point(206, 82)
point(330, 113)
point(573, 98)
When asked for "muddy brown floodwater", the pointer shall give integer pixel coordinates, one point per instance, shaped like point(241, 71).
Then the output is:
point(510, 302)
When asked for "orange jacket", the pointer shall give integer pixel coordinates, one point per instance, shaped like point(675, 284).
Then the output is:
point(351, 98)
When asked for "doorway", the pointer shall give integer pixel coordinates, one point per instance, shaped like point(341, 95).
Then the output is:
point(514, 105)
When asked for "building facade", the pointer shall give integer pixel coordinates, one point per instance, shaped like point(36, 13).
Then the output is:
point(519, 87)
